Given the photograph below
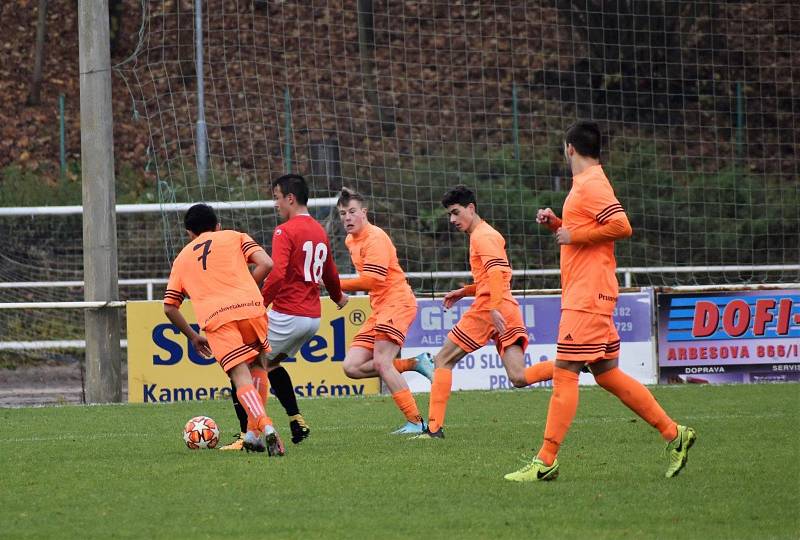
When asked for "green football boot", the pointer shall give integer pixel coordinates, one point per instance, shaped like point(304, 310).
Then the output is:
point(535, 471)
point(678, 450)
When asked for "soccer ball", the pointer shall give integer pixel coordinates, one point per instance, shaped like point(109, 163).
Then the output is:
point(201, 432)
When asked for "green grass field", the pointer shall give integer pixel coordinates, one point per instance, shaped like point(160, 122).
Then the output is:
point(123, 471)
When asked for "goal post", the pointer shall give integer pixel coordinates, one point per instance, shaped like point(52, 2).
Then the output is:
point(103, 360)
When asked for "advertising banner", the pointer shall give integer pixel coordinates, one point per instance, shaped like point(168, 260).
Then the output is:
point(483, 368)
point(164, 367)
point(729, 337)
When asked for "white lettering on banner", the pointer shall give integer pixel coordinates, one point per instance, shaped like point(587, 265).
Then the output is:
point(704, 369)
point(436, 339)
point(437, 318)
point(483, 369)
point(785, 367)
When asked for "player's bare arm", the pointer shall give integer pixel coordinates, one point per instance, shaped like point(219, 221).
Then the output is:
point(199, 342)
point(563, 236)
point(263, 266)
point(453, 296)
point(498, 321)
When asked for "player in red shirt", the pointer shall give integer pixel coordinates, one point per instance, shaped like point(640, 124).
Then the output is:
point(302, 257)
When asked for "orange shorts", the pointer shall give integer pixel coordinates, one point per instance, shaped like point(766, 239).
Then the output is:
point(239, 341)
point(586, 337)
point(390, 323)
point(475, 328)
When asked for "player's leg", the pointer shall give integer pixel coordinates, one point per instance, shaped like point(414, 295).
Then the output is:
point(422, 364)
point(640, 400)
point(241, 415)
point(560, 413)
point(236, 345)
point(634, 395)
point(383, 361)
point(360, 369)
point(445, 360)
point(287, 334)
point(472, 331)
point(511, 347)
point(358, 363)
point(579, 341)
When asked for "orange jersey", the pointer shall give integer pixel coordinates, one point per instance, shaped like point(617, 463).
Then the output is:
point(212, 271)
point(588, 270)
point(374, 255)
point(487, 251)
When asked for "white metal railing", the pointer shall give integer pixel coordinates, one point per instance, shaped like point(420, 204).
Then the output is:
point(153, 208)
point(149, 283)
point(627, 275)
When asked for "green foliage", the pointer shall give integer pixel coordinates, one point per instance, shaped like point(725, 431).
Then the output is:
point(22, 187)
point(123, 471)
point(693, 218)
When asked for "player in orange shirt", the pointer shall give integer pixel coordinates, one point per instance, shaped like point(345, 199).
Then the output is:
point(593, 220)
point(374, 350)
point(494, 315)
point(212, 270)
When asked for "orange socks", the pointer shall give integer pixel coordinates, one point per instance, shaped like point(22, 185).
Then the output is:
point(563, 404)
point(638, 399)
point(404, 364)
point(405, 402)
point(261, 382)
point(440, 393)
point(251, 401)
point(541, 371)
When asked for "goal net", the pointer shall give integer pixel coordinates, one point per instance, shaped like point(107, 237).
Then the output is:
point(698, 102)
point(401, 100)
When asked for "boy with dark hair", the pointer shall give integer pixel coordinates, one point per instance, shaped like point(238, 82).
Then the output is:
point(302, 258)
point(212, 270)
point(494, 315)
point(593, 220)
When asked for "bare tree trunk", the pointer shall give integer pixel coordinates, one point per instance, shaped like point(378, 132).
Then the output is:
point(366, 49)
point(36, 81)
point(185, 34)
point(115, 11)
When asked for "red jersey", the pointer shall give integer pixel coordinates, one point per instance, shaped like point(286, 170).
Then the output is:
point(302, 256)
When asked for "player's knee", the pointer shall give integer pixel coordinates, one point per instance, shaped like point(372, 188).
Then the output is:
point(380, 369)
point(350, 368)
point(518, 379)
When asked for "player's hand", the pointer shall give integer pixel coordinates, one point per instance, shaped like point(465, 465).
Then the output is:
point(452, 297)
point(563, 236)
point(499, 321)
point(342, 301)
point(200, 344)
point(545, 215)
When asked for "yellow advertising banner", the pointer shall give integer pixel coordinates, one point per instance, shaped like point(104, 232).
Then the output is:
point(164, 367)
